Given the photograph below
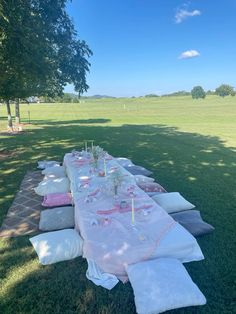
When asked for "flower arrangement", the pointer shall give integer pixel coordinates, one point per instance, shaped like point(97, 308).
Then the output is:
point(116, 178)
point(97, 153)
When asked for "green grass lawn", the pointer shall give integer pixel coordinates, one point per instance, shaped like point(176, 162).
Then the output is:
point(189, 145)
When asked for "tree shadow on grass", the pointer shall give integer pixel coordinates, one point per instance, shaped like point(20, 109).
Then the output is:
point(199, 167)
point(67, 122)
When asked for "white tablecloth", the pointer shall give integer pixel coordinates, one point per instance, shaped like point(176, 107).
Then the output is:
point(110, 239)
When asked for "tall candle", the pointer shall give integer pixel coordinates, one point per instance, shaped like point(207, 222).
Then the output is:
point(105, 167)
point(92, 145)
point(132, 205)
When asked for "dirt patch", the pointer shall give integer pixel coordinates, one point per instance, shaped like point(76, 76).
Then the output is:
point(7, 133)
point(4, 153)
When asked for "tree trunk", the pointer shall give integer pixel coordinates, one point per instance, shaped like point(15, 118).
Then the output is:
point(9, 117)
point(17, 112)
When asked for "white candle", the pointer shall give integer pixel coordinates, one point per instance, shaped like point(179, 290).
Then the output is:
point(92, 145)
point(105, 167)
point(132, 205)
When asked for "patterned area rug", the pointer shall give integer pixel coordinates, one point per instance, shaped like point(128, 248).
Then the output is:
point(23, 216)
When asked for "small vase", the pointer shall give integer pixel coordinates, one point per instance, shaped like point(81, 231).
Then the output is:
point(116, 190)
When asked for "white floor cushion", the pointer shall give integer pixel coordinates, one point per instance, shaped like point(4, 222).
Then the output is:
point(161, 285)
point(138, 170)
point(59, 171)
point(56, 246)
point(58, 185)
point(124, 162)
point(143, 179)
point(179, 243)
point(172, 202)
point(46, 164)
point(57, 218)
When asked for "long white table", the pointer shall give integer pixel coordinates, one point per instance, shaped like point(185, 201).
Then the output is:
point(110, 239)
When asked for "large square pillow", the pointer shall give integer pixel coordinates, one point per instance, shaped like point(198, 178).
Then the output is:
point(46, 164)
point(135, 170)
point(56, 246)
point(124, 162)
point(151, 187)
point(172, 202)
point(192, 221)
point(57, 218)
point(180, 244)
point(59, 171)
point(50, 177)
point(58, 185)
point(142, 179)
point(153, 193)
point(161, 285)
point(57, 199)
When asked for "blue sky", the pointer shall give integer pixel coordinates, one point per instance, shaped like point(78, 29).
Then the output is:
point(157, 46)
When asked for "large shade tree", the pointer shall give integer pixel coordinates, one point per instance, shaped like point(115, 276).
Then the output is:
point(39, 51)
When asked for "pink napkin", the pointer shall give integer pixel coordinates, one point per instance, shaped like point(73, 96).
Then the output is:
point(122, 210)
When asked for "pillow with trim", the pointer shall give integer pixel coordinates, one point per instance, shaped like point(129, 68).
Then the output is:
point(192, 221)
point(172, 202)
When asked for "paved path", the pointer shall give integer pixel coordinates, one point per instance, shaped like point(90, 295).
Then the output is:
point(23, 216)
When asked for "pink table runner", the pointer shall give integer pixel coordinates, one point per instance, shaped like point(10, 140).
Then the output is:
point(109, 237)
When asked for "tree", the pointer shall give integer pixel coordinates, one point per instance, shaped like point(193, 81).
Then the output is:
point(198, 92)
point(151, 95)
point(39, 50)
point(225, 90)
point(210, 92)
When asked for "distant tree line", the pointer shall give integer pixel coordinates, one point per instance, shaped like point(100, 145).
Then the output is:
point(65, 98)
point(179, 93)
point(222, 91)
point(198, 92)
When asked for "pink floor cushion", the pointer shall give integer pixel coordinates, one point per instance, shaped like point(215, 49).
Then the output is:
point(57, 199)
point(151, 187)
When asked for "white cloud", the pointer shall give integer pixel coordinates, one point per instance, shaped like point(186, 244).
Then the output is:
point(182, 14)
point(189, 54)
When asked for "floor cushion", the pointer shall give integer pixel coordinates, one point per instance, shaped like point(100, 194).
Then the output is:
point(153, 193)
point(161, 285)
point(172, 202)
point(46, 164)
point(180, 244)
point(51, 177)
point(56, 246)
point(142, 179)
point(57, 218)
point(57, 171)
point(192, 221)
point(135, 170)
point(124, 162)
point(58, 185)
point(57, 199)
point(151, 187)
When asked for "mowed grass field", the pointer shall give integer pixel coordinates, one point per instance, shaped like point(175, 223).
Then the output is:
point(190, 145)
